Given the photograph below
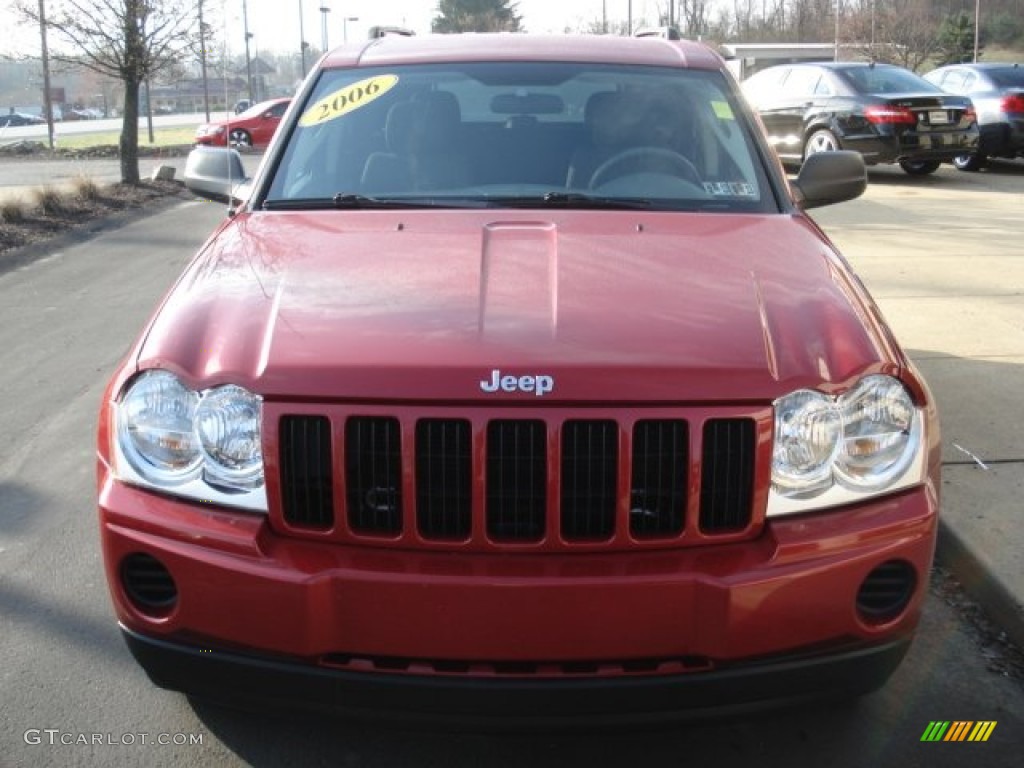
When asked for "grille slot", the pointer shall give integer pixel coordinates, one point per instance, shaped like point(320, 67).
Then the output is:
point(373, 475)
point(727, 475)
point(590, 468)
point(517, 478)
point(444, 472)
point(306, 487)
point(657, 496)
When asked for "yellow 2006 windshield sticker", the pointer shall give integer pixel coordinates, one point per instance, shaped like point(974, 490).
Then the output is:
point(348, 99)
point(722, 110)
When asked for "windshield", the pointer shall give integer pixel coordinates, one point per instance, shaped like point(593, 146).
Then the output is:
point(1007, 77)
point(522, 134)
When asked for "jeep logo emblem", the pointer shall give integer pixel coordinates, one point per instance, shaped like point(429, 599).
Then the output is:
point(539, 385)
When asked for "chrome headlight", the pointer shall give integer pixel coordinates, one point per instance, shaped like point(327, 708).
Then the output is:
point(155, 429)
point(880, 433)
point(808, 428)
point(228, 425)
point(203, 445)
point(835, 450)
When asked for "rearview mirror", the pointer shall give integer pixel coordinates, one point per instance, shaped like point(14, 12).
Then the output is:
point(217, 173)
point(830, 177)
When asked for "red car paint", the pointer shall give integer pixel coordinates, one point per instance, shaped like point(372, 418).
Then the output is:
point(253, 128)
point(499, 314)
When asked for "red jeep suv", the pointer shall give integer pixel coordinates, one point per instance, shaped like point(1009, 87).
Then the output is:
point(520, 386)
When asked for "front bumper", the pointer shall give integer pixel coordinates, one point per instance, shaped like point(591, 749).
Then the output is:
point(265, 617)
point(245, 680)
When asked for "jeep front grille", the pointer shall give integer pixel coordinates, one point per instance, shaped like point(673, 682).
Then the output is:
point(519, 481)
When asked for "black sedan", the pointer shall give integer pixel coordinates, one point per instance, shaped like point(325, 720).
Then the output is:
point(17, 119)
point(997, 91)
point(885, 112)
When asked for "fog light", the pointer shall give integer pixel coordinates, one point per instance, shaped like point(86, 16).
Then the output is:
point(148, 584)
point(886, 592)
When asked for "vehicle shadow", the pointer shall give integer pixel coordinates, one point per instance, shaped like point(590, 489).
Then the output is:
point(947, 176)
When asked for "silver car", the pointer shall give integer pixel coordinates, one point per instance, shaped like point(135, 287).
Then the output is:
point(997, 90)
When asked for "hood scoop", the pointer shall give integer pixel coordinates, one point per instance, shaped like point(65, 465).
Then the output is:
point(519, 278)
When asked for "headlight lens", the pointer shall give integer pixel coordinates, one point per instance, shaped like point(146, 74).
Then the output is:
point(156, 428)
point(878, 433)
point(808, 426)
point(833, 450)
point(228, 425)
point(205, 445)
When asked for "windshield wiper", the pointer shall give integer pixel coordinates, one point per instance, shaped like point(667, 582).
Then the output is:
point(571, 200)
point(352, 201)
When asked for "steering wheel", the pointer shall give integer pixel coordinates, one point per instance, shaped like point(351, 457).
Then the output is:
point(652, 159)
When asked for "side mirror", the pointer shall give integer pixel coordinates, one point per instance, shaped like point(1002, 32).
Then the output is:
point(830, 177)
point(217, 173)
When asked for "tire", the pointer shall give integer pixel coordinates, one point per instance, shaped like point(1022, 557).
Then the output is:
point(920, 167)
point(241, 138)
point(974, 162)
point(822, 140)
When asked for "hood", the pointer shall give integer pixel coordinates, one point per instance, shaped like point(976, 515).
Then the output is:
point(512, 306)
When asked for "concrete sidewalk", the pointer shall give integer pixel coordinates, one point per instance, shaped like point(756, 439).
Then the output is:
point(943, 258)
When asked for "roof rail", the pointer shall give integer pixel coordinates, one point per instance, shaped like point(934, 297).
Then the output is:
point(669, 33)
point(379, 31)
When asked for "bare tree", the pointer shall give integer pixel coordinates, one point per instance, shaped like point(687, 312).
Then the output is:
point(131, 40)
point(904, 32)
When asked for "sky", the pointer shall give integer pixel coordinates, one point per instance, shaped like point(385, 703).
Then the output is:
point(277, 20)
point(274, 24)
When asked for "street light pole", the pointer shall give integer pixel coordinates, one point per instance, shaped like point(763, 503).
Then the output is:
point(202, 62)
point(324, 10)
point(302, 40)
point(248, 60)
point(977, 23)
point(837, 30)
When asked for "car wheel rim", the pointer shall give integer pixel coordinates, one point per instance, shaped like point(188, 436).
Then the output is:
point(240, 137)
point(820, 143)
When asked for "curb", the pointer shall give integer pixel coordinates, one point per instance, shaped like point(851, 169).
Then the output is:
point(980, 582)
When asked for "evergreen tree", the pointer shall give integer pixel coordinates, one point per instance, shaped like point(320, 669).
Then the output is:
point(956, 39)
point(477, 16)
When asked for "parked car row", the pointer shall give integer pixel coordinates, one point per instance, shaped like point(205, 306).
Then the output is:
point(962, 114)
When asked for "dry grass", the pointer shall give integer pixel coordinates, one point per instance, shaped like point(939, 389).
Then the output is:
point(50, 201)
point(12, 211)
point(85, 188)
point(50, 212)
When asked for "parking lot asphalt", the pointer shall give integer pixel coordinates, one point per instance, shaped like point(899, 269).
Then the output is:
point(942, 257)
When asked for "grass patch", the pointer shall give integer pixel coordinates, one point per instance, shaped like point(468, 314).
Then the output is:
point(162, 137)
